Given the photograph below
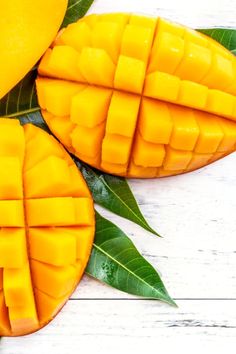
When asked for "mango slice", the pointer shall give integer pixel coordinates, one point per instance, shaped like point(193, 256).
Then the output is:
point(47, 227)
point(154, 98)
point(23, 42)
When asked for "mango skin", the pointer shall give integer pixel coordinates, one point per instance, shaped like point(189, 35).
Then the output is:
point(47, 226)
point(138, 96)
point(27, 29)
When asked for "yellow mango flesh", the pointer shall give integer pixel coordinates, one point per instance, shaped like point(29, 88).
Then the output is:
point(138, 96)
point(27, 29)
point(47, 227)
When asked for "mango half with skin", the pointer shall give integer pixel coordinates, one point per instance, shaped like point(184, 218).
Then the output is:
point(46, 227)
point(27, 28)
point(138, 96)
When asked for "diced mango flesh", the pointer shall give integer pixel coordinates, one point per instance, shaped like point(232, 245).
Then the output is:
point(52, 246)
point(96, 66)
point(155, 98)
point(46, 228)
point(76, 36)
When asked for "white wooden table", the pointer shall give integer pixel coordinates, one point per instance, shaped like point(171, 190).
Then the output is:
point(196, 214)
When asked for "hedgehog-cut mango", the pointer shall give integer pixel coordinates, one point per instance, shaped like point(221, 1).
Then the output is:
point(27, 29)
point(47, 227)
point(138, 96)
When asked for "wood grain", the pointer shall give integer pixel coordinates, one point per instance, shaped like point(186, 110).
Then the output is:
point(196, 258)
point(109, 326)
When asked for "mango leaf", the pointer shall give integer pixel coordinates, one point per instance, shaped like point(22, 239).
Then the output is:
point(22, 98)
point(225, 36)
point(116, 262)
point(76, 9)
point(114, 194)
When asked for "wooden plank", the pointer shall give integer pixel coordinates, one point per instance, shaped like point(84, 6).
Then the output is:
point(126, 326)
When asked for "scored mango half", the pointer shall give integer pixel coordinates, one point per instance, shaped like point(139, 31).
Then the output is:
point(139, 96)
point(27, 28)
point(46, 227)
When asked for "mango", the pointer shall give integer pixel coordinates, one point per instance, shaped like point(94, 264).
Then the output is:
point(47, 227)
point(27, 29)
point(140, 96)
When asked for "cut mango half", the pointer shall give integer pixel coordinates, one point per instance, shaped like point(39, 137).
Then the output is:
point(47, 227)
point(138, 96)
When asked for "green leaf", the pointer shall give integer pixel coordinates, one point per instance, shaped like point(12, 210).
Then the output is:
point(114, 194)
point(225, 36)
point(116, 262)
point(22, 98)
point(76, 9)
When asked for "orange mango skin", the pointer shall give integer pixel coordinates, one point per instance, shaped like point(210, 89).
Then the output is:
point(138, 96)
point(27, 29)
point(47, 227)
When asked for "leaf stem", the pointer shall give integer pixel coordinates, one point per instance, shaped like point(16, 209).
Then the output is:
point(22, 113)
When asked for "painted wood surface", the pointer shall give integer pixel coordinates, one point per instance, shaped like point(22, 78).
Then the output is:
point(196, 258)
